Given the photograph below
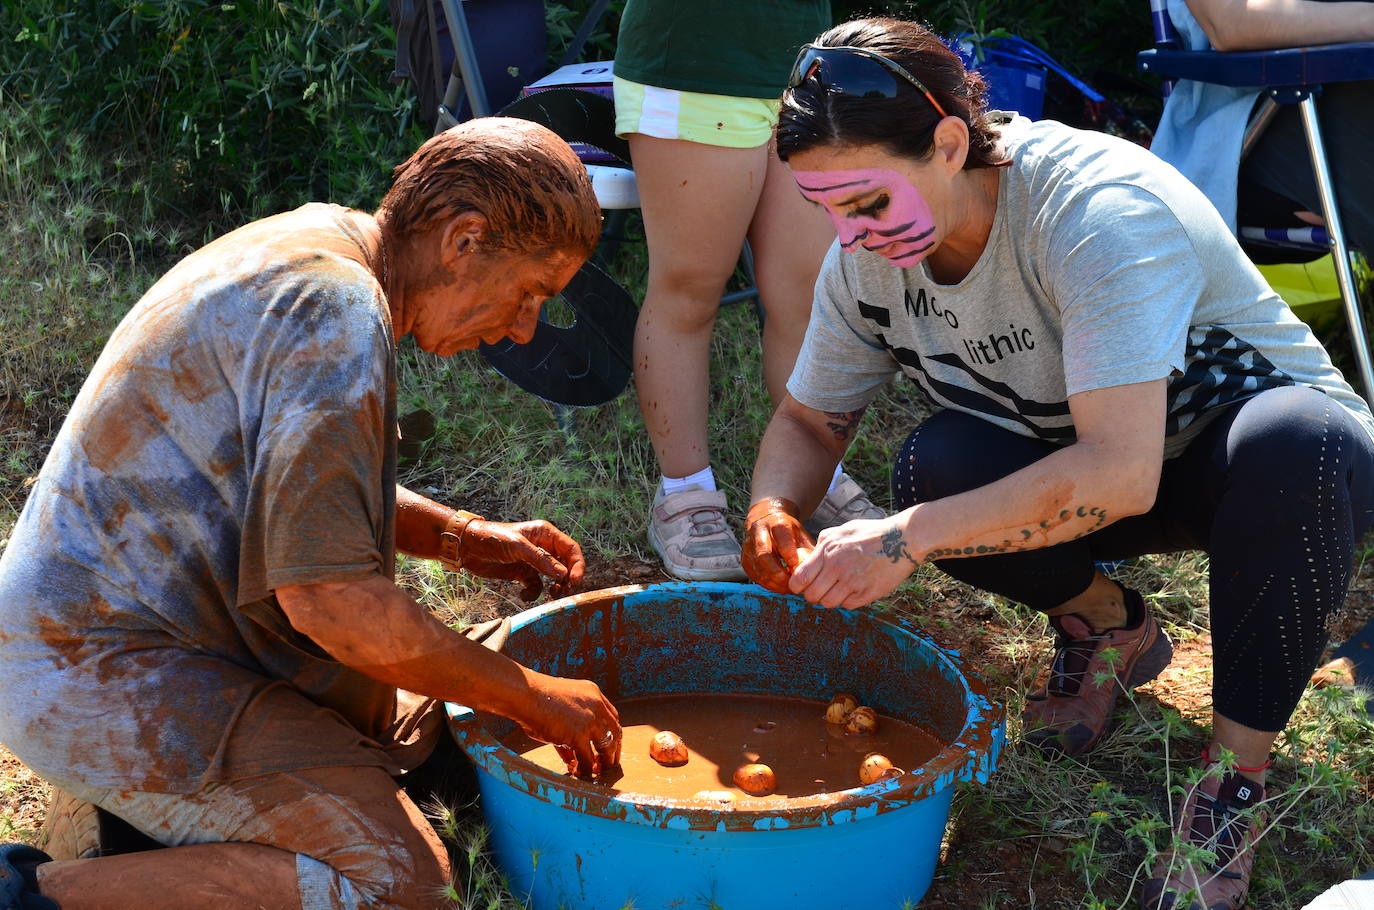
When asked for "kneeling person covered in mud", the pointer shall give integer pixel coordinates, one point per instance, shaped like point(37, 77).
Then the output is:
point(199, 628)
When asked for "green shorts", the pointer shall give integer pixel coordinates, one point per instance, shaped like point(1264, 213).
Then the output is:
point(724, 120)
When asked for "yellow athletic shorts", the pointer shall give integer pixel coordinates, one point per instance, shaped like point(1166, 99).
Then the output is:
point(724, 120)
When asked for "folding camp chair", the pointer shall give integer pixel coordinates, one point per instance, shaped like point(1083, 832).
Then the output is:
point(1287, 76)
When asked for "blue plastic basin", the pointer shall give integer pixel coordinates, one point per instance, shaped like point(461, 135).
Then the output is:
point(572, 844)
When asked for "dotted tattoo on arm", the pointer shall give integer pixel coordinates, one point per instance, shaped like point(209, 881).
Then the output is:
point(843, 423)
point(1042, 529)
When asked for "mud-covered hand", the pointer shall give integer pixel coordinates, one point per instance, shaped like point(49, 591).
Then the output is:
point(523, 551)
point(775, 543)
point(577, 718)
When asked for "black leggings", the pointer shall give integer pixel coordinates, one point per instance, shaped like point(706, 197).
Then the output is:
point(1277, 491)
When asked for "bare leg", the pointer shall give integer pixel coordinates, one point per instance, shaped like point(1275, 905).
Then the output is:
point(789, 237)
point(697, 202)
point(219, 876)
point(1101, 605)
point(1251, 746)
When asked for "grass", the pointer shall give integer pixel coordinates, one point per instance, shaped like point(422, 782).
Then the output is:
point(79, 250)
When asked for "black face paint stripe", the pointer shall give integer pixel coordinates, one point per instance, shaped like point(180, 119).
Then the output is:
point(913, 252)
point(855, 242)
point(915, 237)
point(894, 231)
point(827, 189)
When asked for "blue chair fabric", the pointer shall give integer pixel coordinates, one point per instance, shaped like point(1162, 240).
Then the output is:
point(1286, 76)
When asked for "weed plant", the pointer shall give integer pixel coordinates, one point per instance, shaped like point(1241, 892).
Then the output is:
point(234, 108)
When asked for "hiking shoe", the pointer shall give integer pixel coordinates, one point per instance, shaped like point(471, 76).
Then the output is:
point(1073, 710)
point(1337, 673)
point(1218, 815)
point(846, 502)
point(689, 532)
point(19, 878)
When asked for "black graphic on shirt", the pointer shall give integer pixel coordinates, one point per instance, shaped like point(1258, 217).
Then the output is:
point(1222, 369)
point(991, 397)
point(925, 305)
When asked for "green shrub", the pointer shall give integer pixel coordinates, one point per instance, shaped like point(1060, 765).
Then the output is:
point(238, 107)
point(230, 110)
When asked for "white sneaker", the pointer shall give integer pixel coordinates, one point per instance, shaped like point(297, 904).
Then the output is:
point(846, 502)
point(689, 531)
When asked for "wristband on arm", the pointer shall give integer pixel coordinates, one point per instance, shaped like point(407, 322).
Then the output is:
point(451, 540)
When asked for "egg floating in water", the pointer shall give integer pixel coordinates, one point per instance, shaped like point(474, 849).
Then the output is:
point(756, 779)
point(862, 721)
point(876, 767)
point(667, 748)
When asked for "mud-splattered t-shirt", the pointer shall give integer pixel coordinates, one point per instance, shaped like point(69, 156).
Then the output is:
point(236, 435)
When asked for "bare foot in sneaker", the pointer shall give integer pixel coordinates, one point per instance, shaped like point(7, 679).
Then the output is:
point(844, 502)
point(690, 534)
point(1072, 711)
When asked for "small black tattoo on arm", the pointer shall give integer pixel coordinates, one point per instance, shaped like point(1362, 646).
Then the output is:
point(843, 423)
point(894, 547)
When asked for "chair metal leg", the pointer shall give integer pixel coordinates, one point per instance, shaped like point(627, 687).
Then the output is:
point(466, 57)
point(1345, 277)
point(1259, 122)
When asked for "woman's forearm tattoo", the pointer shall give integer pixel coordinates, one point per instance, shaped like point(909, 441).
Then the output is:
point(843, 423)
point(1042, 530)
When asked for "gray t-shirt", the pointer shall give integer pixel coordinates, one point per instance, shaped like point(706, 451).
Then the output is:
point(1104, 267)
point(237, 434)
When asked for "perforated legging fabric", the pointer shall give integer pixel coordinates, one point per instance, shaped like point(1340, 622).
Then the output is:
point(1277, 491)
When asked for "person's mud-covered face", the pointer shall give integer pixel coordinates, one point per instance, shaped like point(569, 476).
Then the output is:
point(487, 297)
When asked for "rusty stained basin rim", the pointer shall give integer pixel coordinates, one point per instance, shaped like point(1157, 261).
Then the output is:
point(972, 755)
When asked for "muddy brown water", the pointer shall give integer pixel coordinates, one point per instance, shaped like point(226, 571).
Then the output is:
point(724, 731)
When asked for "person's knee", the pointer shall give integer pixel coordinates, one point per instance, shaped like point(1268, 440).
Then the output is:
point(1291, 437)
point(360, 841)
point(686, 292)
point(427, 876)
point(389, 871)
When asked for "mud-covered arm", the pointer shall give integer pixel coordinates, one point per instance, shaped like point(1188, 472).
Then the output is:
point(524, 551)
point(796, 459)
point(377, 629)
point(1247, 25)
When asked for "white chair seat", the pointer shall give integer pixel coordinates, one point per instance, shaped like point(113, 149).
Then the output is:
point(615, 186)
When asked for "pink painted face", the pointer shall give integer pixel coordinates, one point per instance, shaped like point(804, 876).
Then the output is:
point(875, 208)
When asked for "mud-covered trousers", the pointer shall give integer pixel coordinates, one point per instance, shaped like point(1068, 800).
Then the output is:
point(1277, 490)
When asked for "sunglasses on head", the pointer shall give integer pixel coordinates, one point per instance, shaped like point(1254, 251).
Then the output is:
point(854, 71)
